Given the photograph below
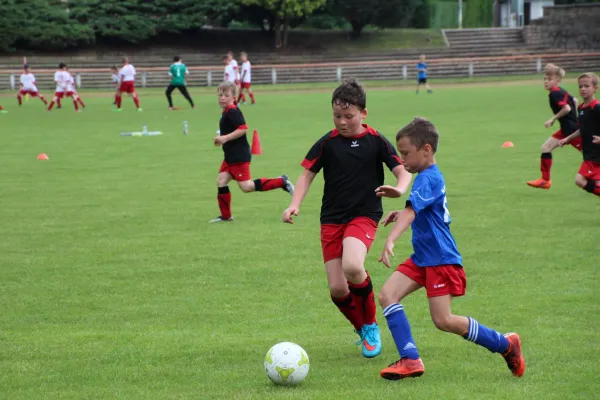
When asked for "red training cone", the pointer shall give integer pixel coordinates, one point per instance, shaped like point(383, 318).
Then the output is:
point(42, 156)
point(256, 148)
point(508, 144)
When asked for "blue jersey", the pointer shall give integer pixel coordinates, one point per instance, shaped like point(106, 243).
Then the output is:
point(432, 241)
point(422, 66)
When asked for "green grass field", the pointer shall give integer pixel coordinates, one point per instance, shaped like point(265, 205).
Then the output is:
point(114, 286)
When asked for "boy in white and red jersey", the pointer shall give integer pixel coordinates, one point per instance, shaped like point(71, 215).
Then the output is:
point(127, 84)
point(72, 91)
point(28, 87)
point(62, 78)
point(236, 68)
point(245, 79)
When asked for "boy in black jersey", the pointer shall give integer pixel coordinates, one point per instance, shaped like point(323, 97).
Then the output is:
point(352, 157)
point(588, 177)
point(563, 106)
point(236, 165)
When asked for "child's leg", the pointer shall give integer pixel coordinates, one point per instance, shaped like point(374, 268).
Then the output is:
point(251, 94)
point(19, 98)
point(224, 195)
point(589, 186)
point(546, 163)
point(242, 173)
point(396, 288)
point(509, 346)
point(136, 100)
point(338, 289)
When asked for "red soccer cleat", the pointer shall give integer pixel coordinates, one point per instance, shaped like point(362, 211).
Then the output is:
point(540, 184)
point(513, 356)
point(403, 368)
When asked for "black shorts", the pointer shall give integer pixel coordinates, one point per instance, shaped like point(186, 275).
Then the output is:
point(421, 80)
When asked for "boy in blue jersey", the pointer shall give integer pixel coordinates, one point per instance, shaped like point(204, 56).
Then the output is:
point(435, 264)
point(422, 74)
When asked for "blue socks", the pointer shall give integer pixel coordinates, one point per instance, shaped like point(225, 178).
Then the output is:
point(400, 328)
point(486, 337)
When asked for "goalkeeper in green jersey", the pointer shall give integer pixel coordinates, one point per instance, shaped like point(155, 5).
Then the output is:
point(178, 71)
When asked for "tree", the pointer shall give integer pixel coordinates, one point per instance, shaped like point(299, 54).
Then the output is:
point(40, 24)
point(284, 11)
point(381, 13)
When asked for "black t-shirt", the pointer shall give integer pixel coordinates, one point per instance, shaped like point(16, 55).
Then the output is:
point(352, 170)
point(237, 150)
point(559, 97)
point(589, 126)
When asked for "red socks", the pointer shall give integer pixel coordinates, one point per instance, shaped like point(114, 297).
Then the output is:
point(347, 306)
point(252, 97)
point(266, 184)
point(136, 100)
point(364, 299)
point(224, 199)
point(546, 165)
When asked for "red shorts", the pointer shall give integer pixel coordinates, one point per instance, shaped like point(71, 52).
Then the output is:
point(590, 170)
point(29, 92)
point(69, 94)
point(59, 95)
point(239, 171)
point(127, 86)
point(245, 85)
point(575, 142)
point(332, 236)
point(438, 281)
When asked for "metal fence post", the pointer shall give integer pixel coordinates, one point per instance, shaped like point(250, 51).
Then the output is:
point(339, 74)
point(538, 65)
point(78, 80)
point(144, 78)
point(209, 78)
point(470, 70)
point(273, 76)
point(404, 72)
point(12, 81)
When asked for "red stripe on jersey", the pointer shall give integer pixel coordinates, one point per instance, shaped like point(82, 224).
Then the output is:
point(308, 164)
point(245, 126)
point(398, 159)
point(564, 101)
point(229, 107)
point(590, 105)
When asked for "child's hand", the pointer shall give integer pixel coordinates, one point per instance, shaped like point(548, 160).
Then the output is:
point(391, 217)
point(388, 191)
point(562, 142)
point(549, 123)
point(287, 215)
point(596, 139)
point(388, 250)
point(220, 140)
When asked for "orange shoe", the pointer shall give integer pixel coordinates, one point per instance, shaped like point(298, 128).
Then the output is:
point(403, 368)
point(540, 183)
point(513, 356)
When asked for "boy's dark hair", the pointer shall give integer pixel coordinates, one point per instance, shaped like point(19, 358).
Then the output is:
point(61, 65)
point(114, 67)
point(350, 93)
point(225, 57)
point(176, 58)
point(420, 132)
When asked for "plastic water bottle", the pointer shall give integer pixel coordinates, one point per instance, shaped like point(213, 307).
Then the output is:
point(144, 129)
point(185, 128)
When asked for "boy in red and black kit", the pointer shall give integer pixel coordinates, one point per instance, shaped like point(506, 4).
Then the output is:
point(563, 106)
point(351, 157)
point(236, 165)
point(588, 177)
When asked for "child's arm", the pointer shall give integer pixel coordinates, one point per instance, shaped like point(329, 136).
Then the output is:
point(403, 180)
point(568, 139)
point(403, 221)
point(219, 140)
point(563, 111)
point(302, 185)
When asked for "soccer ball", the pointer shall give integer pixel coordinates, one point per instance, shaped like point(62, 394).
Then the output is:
point(286, 364)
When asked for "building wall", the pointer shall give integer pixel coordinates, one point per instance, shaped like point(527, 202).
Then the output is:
point(567, 27)
point(537, 8)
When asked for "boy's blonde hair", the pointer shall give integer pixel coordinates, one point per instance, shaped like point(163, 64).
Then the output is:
point(554, 71)
point(590, 75)
point(227, 88)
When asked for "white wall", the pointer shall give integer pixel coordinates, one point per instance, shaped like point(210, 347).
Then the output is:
point(537, 8)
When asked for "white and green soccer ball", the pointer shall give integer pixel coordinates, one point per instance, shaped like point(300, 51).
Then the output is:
point(287, 363)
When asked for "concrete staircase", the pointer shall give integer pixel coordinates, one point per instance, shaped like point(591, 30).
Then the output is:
point(482, 39)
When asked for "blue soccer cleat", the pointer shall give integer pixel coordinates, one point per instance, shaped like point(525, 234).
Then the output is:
point(371, 340)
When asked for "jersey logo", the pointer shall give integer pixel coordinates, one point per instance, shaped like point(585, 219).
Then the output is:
point(354, 143)
point(581, 112)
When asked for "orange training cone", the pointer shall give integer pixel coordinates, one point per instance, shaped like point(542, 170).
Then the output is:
point(256, 148)
point(508, 144)
point(42, 156)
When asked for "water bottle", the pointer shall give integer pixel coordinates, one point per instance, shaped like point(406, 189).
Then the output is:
point(144, 129)
point(185, 128)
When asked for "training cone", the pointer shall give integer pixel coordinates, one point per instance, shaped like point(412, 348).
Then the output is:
point(256, 148)
point(508, 144)
point(42, 156)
